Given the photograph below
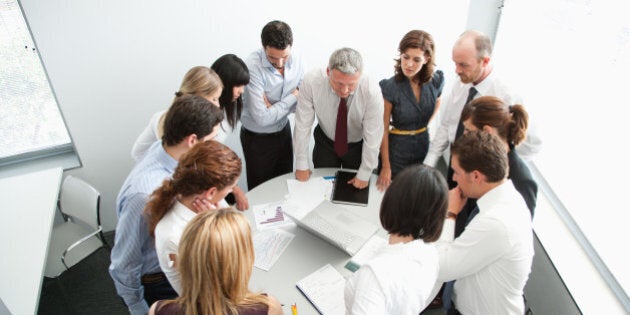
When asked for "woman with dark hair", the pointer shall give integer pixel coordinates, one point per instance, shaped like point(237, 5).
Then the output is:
point(412, 97)
point(400, 277)
point(204, 176)
point(234, 75)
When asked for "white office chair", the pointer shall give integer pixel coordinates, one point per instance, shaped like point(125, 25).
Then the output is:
point(80, 234)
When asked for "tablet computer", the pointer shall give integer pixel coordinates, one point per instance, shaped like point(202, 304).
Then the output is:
point(346, 193)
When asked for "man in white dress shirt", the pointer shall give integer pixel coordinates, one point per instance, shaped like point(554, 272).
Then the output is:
point(472, 54)
point(353, 142)
point(491, 260)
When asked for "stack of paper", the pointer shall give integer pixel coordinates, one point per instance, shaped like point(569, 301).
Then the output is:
point(305, 196)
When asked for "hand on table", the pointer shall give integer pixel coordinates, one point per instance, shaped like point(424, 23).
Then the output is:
point(384, 179)
point(303, 175)
point(357, 183)
point(241, 200)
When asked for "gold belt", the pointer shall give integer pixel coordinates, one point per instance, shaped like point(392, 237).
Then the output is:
point(407, 132)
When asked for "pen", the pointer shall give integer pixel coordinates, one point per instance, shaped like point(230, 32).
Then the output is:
point(294, 308)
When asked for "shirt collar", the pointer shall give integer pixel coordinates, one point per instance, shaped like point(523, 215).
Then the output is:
point(483, 86)
point(492, 196)
point(183, 211)
point(265, 62)
point(165, 159)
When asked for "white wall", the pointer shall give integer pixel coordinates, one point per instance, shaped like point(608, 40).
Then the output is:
point(114, 63)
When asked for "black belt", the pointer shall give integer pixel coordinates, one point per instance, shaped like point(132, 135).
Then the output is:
point(257, 134)
point(153, 277)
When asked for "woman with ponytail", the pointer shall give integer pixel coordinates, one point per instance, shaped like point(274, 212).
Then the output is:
point(203, 177)
point(508, 122)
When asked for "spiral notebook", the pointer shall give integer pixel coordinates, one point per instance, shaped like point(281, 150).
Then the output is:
point(346, 193)
point(324, 289)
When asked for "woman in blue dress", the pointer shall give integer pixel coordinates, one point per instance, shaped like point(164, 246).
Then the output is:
point(412, 97)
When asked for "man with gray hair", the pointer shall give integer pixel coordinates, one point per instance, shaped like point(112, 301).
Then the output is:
point(349, 110)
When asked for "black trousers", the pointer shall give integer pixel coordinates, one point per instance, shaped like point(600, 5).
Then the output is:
point(324, 152)
point(159, 289)
point(267, 155)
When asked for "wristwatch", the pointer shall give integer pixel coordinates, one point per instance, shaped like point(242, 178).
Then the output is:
point(451, 215)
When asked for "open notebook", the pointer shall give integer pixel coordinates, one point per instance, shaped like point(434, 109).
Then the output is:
point(324, 289)
point(338, 226)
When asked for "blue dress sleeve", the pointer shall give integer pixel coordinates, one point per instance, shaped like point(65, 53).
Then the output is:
point(387, 89)
point(438, 81)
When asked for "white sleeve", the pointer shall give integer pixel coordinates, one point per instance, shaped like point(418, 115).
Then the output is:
point(532, 144)
point(440, 142)
point(372, 131)
point(148, 136)
point(304, 118)
point(363, 294)
point(481, 243)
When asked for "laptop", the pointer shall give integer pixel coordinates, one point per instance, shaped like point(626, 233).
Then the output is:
point(338, 226)
point(348, 194)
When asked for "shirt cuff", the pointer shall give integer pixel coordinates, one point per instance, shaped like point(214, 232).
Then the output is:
point(431, 159)
point(364, 174)
point(300, 164)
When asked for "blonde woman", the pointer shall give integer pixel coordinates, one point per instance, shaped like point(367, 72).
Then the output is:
point(200, 81)
point(203, 177)
point(213, 245)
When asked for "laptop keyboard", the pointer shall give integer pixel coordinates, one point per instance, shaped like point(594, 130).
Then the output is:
point(338, 236)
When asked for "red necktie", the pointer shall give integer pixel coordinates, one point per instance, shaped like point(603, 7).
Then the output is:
point(341, 130)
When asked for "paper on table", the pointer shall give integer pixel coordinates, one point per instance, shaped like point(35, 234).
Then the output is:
point(271, 215)
point(305, 196)
point(367, 252)
point(269, 245)
point(324, 289)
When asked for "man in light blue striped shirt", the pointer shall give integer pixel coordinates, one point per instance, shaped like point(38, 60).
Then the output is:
point(134, 265)
point(275, 72)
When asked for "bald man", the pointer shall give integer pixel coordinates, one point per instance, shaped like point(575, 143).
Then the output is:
point(472, 54)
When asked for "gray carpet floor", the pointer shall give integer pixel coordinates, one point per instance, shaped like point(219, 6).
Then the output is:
point(85, 288)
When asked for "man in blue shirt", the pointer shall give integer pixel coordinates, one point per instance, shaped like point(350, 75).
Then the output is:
point(134, 265)
point(271, 95)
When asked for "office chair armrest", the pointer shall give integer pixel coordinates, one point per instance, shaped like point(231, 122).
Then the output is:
point(77, 243)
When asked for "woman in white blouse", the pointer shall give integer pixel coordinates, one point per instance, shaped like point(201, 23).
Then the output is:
point(400, 277)
point(204, 176)
point(200, 81)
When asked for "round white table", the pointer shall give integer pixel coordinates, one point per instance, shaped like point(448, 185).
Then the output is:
point(306, 253)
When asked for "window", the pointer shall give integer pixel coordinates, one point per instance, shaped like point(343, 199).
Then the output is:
point(31, 125)
point(570, 61)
